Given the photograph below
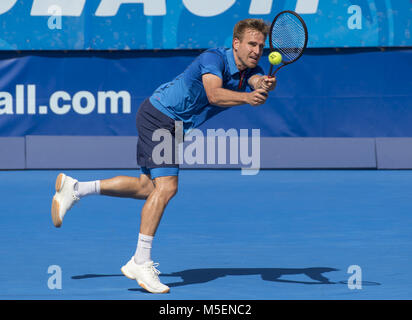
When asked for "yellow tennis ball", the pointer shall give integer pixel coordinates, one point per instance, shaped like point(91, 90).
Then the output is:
point(275, 58)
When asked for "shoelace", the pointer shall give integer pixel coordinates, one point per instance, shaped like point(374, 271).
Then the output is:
point(75, 193)
point(75, 200)
point(154, 272)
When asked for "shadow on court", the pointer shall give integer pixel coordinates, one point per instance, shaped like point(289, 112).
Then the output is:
point(194, 276)
point(315, 275)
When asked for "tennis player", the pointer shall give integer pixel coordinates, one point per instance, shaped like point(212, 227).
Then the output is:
point(215, 81)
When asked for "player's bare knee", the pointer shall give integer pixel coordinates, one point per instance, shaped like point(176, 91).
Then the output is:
point(167, 190)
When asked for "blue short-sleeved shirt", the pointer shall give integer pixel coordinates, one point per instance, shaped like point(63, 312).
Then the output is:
point(184, 98)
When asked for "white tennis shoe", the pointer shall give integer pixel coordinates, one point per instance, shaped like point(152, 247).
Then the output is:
point(63, 199)
point(146, 275)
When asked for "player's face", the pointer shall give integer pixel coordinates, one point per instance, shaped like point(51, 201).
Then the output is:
point(248, 51)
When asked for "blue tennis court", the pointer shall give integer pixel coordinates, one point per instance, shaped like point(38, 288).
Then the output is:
point(281, 234)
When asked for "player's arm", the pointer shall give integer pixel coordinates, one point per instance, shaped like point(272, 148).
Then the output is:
point(262, 82)
point(219, 96)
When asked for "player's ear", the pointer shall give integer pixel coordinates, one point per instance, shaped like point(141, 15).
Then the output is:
point(235, 43)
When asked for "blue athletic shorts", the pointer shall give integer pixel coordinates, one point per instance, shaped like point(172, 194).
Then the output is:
point(149, 119)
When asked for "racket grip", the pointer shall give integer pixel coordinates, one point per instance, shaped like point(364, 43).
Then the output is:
point(270, 70)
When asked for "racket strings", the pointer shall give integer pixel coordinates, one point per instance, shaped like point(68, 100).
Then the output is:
point(288, 37)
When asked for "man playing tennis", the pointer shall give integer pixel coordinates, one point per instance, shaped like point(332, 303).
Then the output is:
point(216, 80)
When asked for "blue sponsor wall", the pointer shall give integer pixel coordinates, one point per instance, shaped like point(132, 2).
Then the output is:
point(349, 93)
point(333, 94)
point(73, 74)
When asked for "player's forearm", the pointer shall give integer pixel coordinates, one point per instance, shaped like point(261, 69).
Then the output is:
point(227, 98)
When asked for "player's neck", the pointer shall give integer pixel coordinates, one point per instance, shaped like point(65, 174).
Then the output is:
point(239, 64)
point(241, 68)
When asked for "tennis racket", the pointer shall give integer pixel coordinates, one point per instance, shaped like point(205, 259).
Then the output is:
point(289, 36)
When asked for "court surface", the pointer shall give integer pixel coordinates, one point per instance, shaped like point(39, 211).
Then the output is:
point(289, 234)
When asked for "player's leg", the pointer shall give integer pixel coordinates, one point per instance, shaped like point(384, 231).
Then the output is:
point(127, 187)
point(164, 175)
point(141, 267)
point(152, 212)
point(165, 189)
point(69, 191)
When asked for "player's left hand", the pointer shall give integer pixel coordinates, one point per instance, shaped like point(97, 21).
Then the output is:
point(268, 83)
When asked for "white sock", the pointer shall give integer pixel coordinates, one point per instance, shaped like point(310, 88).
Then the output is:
point(144, 248)
point(87, 188)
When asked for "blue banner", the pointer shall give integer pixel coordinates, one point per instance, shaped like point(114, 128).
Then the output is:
point(340, 94)
point(191, 24)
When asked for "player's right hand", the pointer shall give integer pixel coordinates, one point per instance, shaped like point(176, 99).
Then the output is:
point(257, 97)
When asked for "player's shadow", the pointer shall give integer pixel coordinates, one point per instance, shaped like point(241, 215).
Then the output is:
point(193, 276)
point(315, 276)
point(196, 276)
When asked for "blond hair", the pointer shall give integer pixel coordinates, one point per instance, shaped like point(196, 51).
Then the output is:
point(254, 24)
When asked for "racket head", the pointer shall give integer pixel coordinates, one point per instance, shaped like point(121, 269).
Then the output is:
point(288, 35)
